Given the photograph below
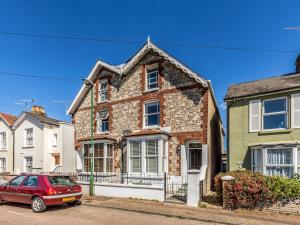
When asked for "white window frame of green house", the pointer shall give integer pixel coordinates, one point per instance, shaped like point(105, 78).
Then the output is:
point(263, 165)
point(160, 154)
point(3, 167)
point(102, 117)
point(146, 115)
point(3, 140)
point(275, 113)
point(103, 90)
point(152, 80)
point(27, 138)
point(106, 157)
point(295, 110)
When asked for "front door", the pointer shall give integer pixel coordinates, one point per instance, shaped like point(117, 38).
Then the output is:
point(195, 156)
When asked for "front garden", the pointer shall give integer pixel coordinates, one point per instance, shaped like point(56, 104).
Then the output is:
point(254, 190)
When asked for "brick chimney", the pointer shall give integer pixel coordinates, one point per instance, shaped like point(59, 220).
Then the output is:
point(38, 110)
point(297, 63)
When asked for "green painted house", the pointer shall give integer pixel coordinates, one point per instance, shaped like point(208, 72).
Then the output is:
point(263, 131)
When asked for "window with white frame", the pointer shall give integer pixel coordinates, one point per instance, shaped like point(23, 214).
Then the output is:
point(136, 156)
point(275, 114)
point(280, 162)
point(28, 164)
point(102, 92)
point(298, 161)
point(275, 161)
point(2, 165)
point(54, 140)
point(28, 136)
point(103, 157)
point(2, 140)
point(147, 155)
point(103, 121)
point(151, 114)
point(152, 79)
point(151, 156)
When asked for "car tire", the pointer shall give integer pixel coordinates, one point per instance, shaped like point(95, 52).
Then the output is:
point(38, 205)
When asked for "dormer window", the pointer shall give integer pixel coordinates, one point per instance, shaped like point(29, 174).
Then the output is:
point(103, 85)
point(103, 121)
point(152, 79)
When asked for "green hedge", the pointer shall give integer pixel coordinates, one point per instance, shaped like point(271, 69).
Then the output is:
point(250, 190)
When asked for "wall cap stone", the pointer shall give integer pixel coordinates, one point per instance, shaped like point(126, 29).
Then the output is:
point(227, 178)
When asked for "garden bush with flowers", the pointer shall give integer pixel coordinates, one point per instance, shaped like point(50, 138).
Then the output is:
point(254, 190)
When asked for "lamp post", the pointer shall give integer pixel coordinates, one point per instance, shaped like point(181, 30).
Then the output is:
point(90, 86)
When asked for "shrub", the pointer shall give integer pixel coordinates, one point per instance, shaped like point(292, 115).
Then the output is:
point(249, 190)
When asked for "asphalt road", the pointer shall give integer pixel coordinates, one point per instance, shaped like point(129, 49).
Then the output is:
point(17, 214)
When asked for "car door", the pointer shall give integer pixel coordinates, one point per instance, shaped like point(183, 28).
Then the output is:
point(28, 188)
point(11, 190)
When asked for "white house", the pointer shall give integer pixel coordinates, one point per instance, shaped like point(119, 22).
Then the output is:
point(6, 142)
point(43, 144)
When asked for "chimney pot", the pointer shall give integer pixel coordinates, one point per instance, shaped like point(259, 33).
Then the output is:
point(38, 110)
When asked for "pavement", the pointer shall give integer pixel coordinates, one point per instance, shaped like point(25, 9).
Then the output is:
point(115, 211)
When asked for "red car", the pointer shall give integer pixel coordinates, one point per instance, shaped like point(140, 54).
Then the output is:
point(41, 191)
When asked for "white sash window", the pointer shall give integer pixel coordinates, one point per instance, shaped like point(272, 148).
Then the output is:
point(2, 140)
point(275, 114)
point(102, 92)
point(147, 155)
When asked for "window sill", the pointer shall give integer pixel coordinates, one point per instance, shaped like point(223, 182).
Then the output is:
point(151, 90)
point(28, 146)
point(266, 132)
point(105, 132)
point(3, 150)
point(100, 102)
point(152, 127)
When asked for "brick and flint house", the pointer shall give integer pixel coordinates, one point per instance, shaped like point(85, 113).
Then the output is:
point(263, 118)
point(165, 112)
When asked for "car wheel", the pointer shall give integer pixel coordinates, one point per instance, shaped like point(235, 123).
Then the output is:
point(38, 205)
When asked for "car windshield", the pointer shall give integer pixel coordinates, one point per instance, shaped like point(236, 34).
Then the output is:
point(61, 180)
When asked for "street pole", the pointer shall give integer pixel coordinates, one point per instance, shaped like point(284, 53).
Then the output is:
point(92, 144)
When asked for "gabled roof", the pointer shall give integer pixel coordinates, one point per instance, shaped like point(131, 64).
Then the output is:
point(123, 69)
point(8, 118)
point(263, 86)
point(40, 118)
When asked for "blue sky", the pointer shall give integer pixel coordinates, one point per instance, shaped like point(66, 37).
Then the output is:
point(238, 24)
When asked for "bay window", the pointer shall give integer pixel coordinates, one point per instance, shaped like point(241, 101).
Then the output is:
point(277, 161)
point(103, 157)
point(152, 156)
point(136, 156)
point(102, 92)
point(147, 155)
point(151, 114)
point(2, 140)
point(280, 162)
point(298, 161)
point(275, 114)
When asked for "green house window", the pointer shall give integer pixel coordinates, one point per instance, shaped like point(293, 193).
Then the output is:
point(275, 114)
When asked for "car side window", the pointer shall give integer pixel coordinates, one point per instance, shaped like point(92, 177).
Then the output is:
point(17, 181)
point(31, 181)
